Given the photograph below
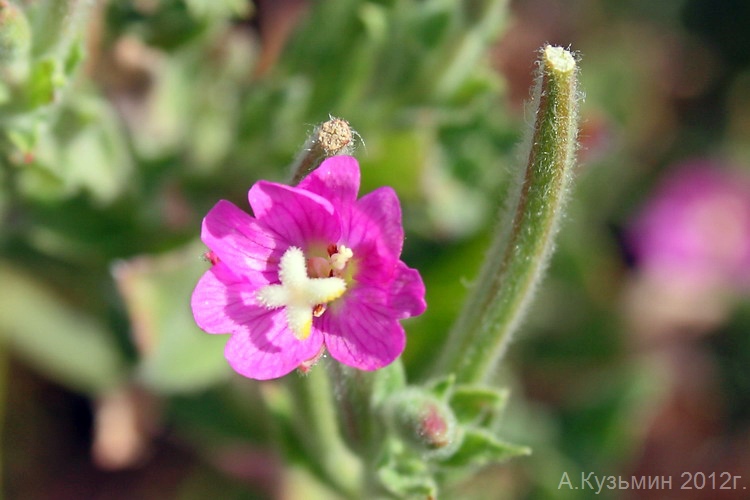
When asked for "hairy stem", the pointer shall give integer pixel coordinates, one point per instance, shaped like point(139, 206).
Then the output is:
point(316, 423)
point(529, 222)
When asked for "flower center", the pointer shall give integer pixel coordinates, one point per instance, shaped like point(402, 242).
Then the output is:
point(333, 264)
point(301, 295)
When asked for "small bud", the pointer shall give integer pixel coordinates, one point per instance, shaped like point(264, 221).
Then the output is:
point(423, 421)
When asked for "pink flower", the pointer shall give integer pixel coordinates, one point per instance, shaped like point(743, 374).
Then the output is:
point(696, 228)
point(315, 267)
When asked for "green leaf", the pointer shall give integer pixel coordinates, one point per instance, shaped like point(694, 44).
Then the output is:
point(478, 405)
point(60, 341)
point(36, 148)
point(479, 447)
point(74, 57)
point(46, 78)
point(93, 154)
point(175, 354)
point(23, 137)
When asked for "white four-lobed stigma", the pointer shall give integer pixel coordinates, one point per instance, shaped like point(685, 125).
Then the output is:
point(299, 293)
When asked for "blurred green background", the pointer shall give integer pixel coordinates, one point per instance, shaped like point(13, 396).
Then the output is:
point(123, 122)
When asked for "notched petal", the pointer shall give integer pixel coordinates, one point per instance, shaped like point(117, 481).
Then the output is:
point(297, 216)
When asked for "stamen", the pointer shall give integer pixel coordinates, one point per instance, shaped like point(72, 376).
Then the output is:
point(341, 257)
point(318, 310)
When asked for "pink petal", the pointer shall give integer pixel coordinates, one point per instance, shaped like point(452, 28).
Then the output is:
point(363, 332)
point(261, 346)
point(407, 293)
point(238, 240)
point(369, 230)
point(295, 215)
point(223, 302)
point(265, 348)
point(336, 179)
point(380, 209)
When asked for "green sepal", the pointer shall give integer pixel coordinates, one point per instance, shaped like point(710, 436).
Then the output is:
point(479, 447)
point(442, 387)
point(405, 475)
point(478, 405)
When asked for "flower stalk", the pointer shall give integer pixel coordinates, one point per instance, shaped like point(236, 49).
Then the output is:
point(528, 224)
point(319, 432)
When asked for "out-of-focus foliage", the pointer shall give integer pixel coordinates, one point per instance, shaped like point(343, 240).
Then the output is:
point(122, 123)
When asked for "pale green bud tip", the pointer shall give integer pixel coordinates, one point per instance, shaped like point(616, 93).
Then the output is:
point(559, 59)
point(15, 33)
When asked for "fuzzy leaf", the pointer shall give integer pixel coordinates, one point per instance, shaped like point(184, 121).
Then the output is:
point(93, 154)
point(479, 447)
point(175, 355)
point(45, 80)
point(73, 58)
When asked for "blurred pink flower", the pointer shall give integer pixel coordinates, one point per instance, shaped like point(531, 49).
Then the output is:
point(315, 267)
point(695, 229)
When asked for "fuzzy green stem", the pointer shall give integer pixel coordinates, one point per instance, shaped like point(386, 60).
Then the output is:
point(353, 390)
point(317, 427)
point(330, 138)
point(528, 225)
point(356, 393)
